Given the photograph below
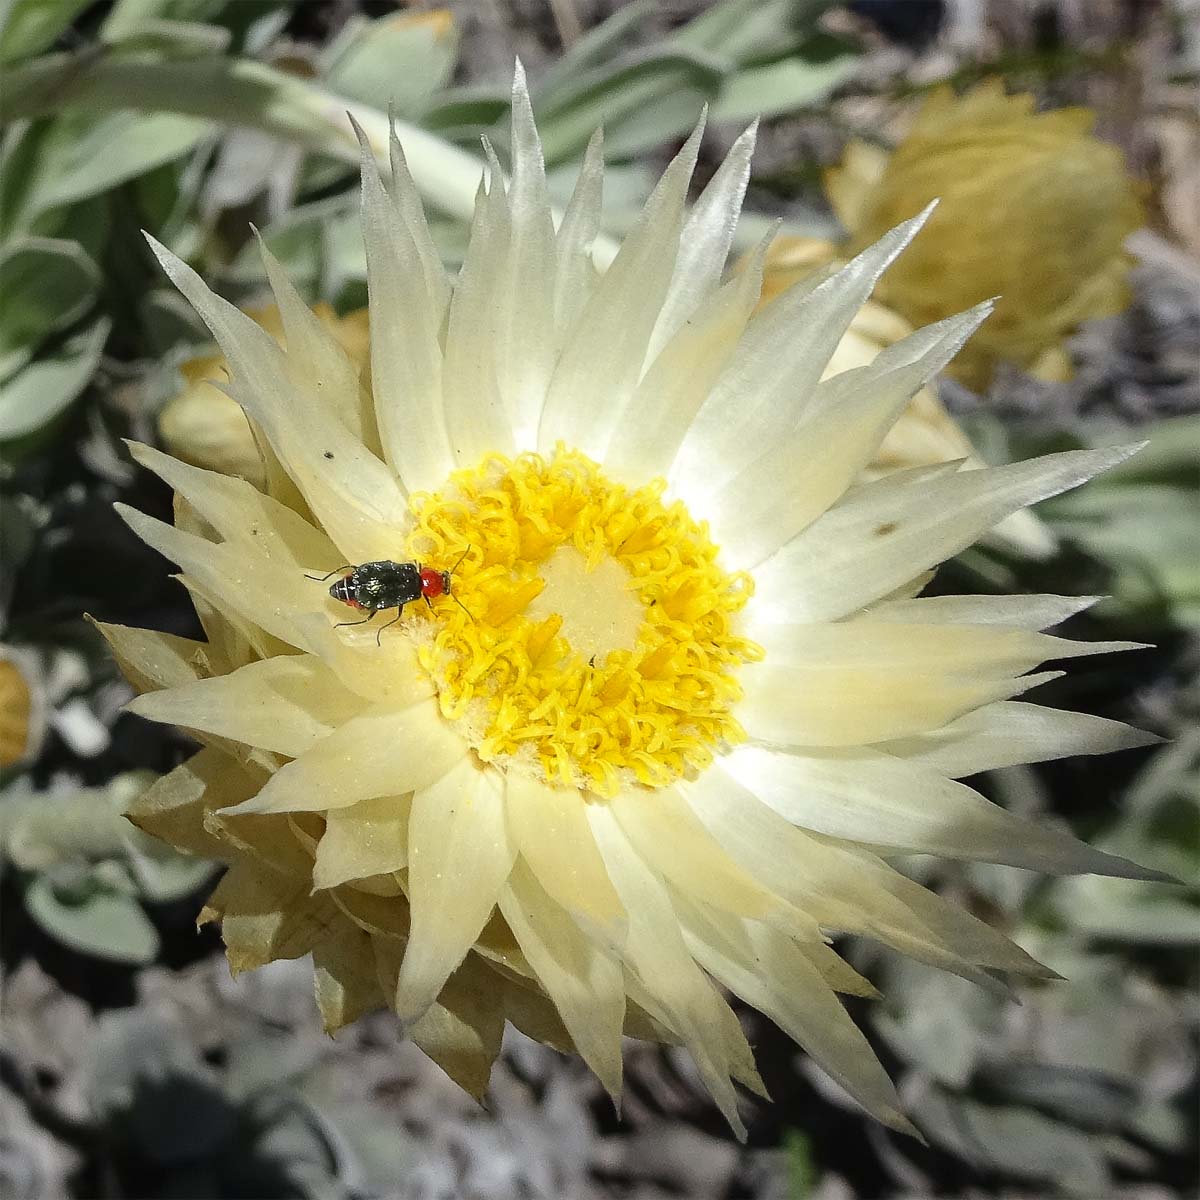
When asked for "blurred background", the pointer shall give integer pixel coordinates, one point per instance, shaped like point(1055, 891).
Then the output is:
point(1064, 139)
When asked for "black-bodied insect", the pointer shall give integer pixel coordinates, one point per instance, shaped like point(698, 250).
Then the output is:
point(375, 586)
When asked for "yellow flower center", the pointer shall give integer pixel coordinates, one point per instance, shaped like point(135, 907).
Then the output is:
point(595, 643)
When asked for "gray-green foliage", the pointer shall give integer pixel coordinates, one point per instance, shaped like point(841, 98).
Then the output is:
point(85, 870)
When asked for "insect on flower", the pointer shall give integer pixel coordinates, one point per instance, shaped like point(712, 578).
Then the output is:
point(375, 586)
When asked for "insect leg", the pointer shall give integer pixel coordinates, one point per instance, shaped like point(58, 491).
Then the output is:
point(322, 578)
point(366, 620)
point(379, 631)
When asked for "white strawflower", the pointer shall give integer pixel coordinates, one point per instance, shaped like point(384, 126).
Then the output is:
point(682, 698)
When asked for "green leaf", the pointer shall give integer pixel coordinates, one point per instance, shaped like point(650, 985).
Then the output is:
point(29, 26)
point(399, 61)
point(746, 31)
point(640, 103)
point(84, 155)
point(44, 388)
point(105, 924)
point(47, 285)
point(130, 17)
point(780, 87)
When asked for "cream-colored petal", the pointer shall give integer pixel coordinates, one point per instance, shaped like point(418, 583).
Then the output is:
point(1011, 732)
point(410, 209)
point(368, 838)
point(550, 831)
point(896, 650)
point(260, 591)
point(352, 493)
point(674, 984)
point(462, 1031)
point(477, 420)
point(882, 535)
point(174, 806)
point(845, 888)
point(658, 415)
point(575, 272)
point(344, 975)
point(285, 704)
point(866, 796)
point(265, 915)
point(859, 705)
point(149, 659)
point(586, 985)
point(242, 514)
point(1022, 612)
point(318, 357)
point(602, 360)
point(523, 304)
point(406, 356)
point(767, 970)
point(382, 752)
point(778, 362)
point(704, 243)
point(672, 841)
point(806, 469)
point(459, 855)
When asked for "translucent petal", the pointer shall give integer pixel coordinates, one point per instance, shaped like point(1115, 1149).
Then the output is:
point(318, 357)
point(858, 705)
point(476, 418)
point(406, 355)
point(266, 915)
point(383, 752)
point(674, 844)
point(1024, 612)
point(806, 469)
point(524, 304)
point(882, 535)
point(551, 832)
point(766, 969)
point(459, 856)
point(174, 806)
point(368, 838)
point(1011, 732)
point(149, 659)
point(845, 888)
point(705, 241)
point(586, 985)
point(285, 704)
point(356, 498)
point(462, 1031)
point(656, 952)
point(955, 650)
point(661, 409)
point(242, 514)
point(602, 361)
point(870, 797)
point(344, 974)
point(774, 373)
point(575, 273)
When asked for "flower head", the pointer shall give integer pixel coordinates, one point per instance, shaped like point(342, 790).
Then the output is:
point(1034, 209)
point(661, 695)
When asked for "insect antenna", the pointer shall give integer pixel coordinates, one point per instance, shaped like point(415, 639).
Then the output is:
point(461, 605)
point(322, 578)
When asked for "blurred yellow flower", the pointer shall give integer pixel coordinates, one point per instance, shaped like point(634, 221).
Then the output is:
point(651, 694)
point(1034, 210)
point(205, 427)
point(16, 709)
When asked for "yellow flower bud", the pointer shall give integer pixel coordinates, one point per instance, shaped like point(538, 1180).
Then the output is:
point(1034, 210)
